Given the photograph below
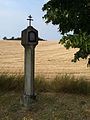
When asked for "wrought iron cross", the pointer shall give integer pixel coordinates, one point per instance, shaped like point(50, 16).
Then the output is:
point(30, 20)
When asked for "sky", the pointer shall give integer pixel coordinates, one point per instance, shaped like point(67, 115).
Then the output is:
point(14, 15)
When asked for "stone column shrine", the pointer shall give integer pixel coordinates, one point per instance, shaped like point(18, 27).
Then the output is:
point(29, 40)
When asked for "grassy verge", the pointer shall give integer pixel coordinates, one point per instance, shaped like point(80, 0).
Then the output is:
point(11, 82)
point(64, 83)
point(53, 101)
point(49, 106)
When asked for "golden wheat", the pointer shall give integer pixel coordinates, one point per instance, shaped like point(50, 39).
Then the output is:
point(51, 59)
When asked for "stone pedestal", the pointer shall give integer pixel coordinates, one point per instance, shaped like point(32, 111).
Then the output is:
point(27, 100)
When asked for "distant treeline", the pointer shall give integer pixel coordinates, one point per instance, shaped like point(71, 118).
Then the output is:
point(19, 38)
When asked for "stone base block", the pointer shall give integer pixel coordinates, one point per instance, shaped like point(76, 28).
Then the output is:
point(27, 100)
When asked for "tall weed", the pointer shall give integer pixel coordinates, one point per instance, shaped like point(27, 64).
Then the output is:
point(65, 83)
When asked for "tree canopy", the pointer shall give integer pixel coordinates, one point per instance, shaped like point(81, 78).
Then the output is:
point(71, 15)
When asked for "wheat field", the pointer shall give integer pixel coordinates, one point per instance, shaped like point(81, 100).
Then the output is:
point(51, 59)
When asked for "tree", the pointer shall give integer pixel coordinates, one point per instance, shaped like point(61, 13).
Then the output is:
point(71, 15)
point(5, 38)
point(12, 38)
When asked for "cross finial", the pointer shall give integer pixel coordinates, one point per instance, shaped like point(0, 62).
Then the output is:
point(30, 19)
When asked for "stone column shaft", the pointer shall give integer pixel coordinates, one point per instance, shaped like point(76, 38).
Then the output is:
point(29, 71)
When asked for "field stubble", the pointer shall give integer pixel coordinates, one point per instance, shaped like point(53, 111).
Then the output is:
point(51, 59)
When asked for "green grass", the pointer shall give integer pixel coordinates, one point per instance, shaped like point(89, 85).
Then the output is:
point(64, 83)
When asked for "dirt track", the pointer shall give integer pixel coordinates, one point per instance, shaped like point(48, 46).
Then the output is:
point(51, 59)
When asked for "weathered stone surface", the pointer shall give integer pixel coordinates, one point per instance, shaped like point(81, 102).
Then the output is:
point(27, 100)
point(29, 41)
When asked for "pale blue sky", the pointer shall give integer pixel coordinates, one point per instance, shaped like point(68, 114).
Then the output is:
point(14, 14)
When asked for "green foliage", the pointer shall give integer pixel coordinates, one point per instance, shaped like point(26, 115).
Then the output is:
point(71, 16)
point(12, 38)
point(81, 41)
point(5, 38)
